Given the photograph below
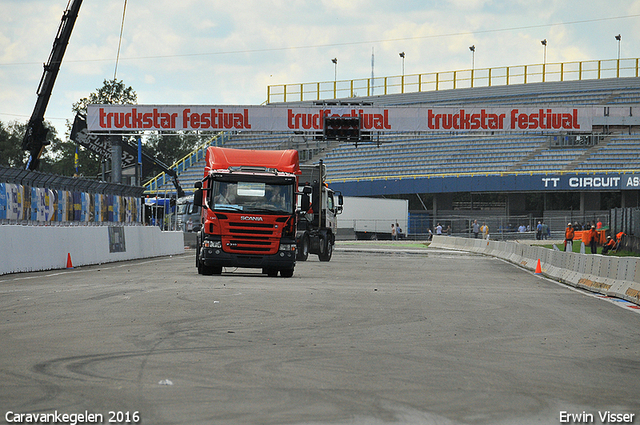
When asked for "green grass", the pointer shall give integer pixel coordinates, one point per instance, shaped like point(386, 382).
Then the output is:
point(587, 250)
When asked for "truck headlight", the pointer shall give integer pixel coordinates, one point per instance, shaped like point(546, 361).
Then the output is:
point(212, 244)
point(287, 247)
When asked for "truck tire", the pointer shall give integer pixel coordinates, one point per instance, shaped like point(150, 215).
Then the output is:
point(303, 249)
point(205, 270)
point(326, 248)
point(272, 272)
point(286, 273)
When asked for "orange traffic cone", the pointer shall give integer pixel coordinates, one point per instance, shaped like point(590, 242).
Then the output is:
point(69, 265)
point(538, 268)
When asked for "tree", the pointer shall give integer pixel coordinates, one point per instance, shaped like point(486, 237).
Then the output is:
point(89, 163)
point(112, 92)
point(11, 153)
point(170, 148)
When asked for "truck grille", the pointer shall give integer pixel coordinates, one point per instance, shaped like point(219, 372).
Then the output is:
point(251, 237)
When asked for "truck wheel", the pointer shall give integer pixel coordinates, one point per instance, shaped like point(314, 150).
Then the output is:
point(303, 249)
point(272, 272)
point(205, 270)
point(326, 249)
point(286, 273)
point(216, 270)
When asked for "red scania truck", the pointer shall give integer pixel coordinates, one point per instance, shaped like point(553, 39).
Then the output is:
point(249, 211)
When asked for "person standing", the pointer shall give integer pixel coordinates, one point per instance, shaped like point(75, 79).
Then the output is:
point(545, 231)
point(485, 231)
point(438, 229)
point(394, 232)
point(593, 240)
point(476, 228)
point(569, 234)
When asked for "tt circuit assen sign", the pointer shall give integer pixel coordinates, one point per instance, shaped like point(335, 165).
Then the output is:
point(106, 118)
point(597, 182)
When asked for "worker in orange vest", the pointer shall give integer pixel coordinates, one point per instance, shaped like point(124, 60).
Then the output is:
point(592, 238)
point(609, 246)
point(569, 234)
point(619, 237)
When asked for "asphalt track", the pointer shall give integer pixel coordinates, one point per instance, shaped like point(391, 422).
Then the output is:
point(383, 334)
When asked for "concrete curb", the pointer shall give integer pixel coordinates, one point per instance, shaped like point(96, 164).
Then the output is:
point(612, 276)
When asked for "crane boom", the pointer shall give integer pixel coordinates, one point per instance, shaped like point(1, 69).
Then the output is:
point(36, 134)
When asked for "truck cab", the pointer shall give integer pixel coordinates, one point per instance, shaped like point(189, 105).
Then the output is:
point(248, 200)
point(318, 222)
point(187, 214)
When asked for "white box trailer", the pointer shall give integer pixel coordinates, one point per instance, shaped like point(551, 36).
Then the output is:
point(371, 218)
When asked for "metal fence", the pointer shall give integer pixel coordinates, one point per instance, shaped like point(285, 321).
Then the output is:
point(36, 198)
point(466, 78)
point(627, 220)
point(71, 184)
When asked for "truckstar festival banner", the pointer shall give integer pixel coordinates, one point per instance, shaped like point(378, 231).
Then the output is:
point(119, 118)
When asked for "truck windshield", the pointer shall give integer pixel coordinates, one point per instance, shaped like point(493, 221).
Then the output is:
point(182, 209)
point(252, 197)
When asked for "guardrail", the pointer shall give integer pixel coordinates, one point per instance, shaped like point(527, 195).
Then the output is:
point(612, 276)
point(466, 78)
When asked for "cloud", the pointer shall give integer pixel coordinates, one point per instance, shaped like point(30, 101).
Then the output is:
point(217, 52)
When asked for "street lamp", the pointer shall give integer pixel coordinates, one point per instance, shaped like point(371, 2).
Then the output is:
point(544, 63)
point(619, 38)
point(335, 69)
point(473, 61)
point(402, 82)
point(335, 77)
point(473, 56)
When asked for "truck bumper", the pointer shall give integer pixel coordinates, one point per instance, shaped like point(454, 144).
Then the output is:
point(216, 257)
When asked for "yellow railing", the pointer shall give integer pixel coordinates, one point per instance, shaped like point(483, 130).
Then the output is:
point(152, 186)
point(434, 81)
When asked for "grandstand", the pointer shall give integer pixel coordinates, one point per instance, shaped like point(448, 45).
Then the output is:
point(431, 167)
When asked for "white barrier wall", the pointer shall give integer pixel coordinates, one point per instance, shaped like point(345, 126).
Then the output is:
point(33, 248)
point(613, 276)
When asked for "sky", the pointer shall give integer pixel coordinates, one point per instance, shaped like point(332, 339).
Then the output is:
point(210, 52)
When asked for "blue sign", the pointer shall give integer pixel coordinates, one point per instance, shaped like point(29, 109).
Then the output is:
point(490, 183)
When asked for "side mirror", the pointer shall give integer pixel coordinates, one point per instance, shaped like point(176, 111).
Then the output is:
point(340, 199)
point(197, 196)
point(305, 202)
